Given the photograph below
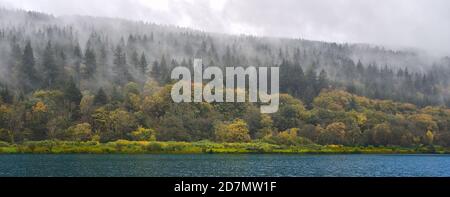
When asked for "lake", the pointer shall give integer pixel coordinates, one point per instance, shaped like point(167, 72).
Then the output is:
point(224, 165)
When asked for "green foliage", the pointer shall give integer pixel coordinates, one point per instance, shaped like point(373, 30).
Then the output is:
point(80, 132)
point(337, 118)
point(334, 133)
point(289, 137)
point(72, 93)
point(129, 147)
point(325, 96)
point(143, 134)
point(100, 98)
point(236, 131)
point(51, 69)
point(27, 71)
point(291, 113)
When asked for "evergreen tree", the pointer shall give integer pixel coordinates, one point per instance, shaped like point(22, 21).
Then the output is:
point(120, 66)
point(160, 71)
point(164, 76)
point(322, 82)
point(292, 79)
point(15, 57)
point(78, 56)
point(156, 71)
point(134, 59)
point(6, 95)
point(72, 93)
point(311, 86)
point(143, 64)
point(100, 98)
point(50, 69)
point(27, 71)
point(90, 61)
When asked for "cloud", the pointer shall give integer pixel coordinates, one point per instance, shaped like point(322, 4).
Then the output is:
point(419, 24)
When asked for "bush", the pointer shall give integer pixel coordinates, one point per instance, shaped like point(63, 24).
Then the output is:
point(288, 137)
point(236, 131)
point(154, 147)
point(143, 134)
point(80, 132)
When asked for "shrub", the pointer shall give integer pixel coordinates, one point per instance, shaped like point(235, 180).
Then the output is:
point(143, 134)
point(236, 131)
point(80, 132)
point(288, 137)
point(154, 147)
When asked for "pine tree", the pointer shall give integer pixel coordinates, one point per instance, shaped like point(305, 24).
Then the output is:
point(120, 66)
point(156, 71)
point(15, 56)
point(143, 64)
point(160, 71)
point(311, 86)
point(27, 71)
point(322, 82)
point(78, 56)
point(164, 68)
point(50, 70)
point(6, 95)
point(100, 98)
point(292, 79)
point(90, 61)
point(72, 93)
point(134, 59)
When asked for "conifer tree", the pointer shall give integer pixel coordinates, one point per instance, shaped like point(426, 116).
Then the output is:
point(27, 71)
point(100, 98)
point(90, 61)
point(50, 69)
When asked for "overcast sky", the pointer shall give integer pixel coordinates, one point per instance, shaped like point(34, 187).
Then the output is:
point(423, 24)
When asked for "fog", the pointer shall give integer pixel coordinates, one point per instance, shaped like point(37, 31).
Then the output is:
point(397, 24)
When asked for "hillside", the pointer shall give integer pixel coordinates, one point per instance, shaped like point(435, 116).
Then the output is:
point(372, 71)
point(81, 78)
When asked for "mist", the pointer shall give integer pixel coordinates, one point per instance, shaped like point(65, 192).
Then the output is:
point(397, 24)
point(352, 69)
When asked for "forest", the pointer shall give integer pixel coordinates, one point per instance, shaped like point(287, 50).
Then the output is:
point(93, 79)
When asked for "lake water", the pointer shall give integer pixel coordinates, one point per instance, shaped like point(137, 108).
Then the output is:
point(224, 165)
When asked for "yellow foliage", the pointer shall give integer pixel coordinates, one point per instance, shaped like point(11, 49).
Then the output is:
point(135, 101)
point(361, 119)
point(333, 100)
point(424, 121)
point(143, 134)
point(236, 131)
point(429, 136)
point(5, 109)
point(40, 107)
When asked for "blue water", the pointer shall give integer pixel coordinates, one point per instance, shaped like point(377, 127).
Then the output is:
point(224, 165)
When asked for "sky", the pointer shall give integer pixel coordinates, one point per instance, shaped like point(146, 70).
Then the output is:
point(419, 24)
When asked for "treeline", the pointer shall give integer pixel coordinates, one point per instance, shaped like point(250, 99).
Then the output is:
point(82, 82)
point(147, 113)
point(97, 51)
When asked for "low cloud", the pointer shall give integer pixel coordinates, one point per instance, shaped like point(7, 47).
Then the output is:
point(421, 24)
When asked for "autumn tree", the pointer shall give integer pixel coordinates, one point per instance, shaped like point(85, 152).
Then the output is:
point(143, 134)
point(333, 134)
point(236, 131)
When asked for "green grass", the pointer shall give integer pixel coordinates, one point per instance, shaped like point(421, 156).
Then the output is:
point(202, 147)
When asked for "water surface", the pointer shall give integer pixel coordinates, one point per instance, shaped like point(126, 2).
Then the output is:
point(224, 165)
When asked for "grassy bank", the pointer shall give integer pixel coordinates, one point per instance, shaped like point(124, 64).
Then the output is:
point(129, 147)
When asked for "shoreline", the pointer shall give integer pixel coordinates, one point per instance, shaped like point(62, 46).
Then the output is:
point(205, 147)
